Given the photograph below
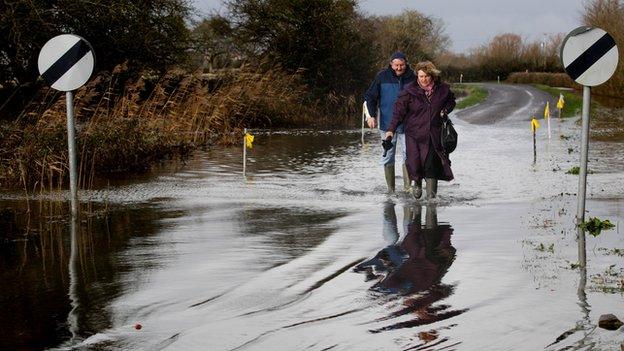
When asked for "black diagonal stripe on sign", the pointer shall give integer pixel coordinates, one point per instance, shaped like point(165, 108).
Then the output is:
point(590, 56)
point(65, 62)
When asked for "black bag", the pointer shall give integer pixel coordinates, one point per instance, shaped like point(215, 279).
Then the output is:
point(387, 145)
point(448, 137)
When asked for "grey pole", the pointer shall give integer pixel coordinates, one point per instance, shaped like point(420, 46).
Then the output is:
point(582, 252)
point(534, 148)
point(580, 213)
point(71, 143)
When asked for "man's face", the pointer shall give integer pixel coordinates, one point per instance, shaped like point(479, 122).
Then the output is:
point(398, 66)
point(423, 78)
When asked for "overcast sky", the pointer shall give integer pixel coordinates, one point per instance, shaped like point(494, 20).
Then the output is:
point(470, 23)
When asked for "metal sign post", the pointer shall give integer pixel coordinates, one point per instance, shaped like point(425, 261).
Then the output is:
point(66, 63)
point(590, 57)
point(71, 146)
point(582, 183)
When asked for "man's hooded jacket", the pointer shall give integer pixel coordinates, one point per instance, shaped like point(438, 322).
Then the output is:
point(384, 91)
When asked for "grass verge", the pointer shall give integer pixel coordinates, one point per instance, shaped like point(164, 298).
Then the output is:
point(573, 102)
point(606, 124)
point(470, 95)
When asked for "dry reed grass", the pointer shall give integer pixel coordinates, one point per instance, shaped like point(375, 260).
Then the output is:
point(607, 124)
point(127, 124)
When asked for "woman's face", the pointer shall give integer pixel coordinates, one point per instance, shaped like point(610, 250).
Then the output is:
point(423, 78)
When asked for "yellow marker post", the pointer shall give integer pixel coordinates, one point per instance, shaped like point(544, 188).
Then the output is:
point(534, 125)
point(249, 140)
point(247, 143)
point(560, 104)
point(547, 116)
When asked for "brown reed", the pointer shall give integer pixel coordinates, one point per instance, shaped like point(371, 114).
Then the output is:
point(128, 123)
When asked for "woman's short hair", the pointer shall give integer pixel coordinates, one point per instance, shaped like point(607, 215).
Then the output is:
point(428, 67)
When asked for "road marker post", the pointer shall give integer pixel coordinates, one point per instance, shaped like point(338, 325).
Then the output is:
point(547, 116)
point(589, 56)
point(534, 125)
point(244, 152)
point(560, 104)
point(247, 143)
point(66, 63)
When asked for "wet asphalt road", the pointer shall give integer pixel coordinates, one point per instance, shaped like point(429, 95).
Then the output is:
point(508, 102)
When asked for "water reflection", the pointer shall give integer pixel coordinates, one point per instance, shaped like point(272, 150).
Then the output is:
point(59, 277)
point(285, 233)
point(412, 269)
point(584, 325)
point(72, 319)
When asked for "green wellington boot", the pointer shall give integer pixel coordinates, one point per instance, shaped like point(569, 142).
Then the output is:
point(416, 189)
point(389, 173)
point(406, 181)
point(432, 188)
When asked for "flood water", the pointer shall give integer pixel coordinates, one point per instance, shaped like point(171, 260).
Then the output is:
point(308, 252)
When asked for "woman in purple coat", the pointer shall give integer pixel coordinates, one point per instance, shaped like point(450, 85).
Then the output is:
point(421, 107)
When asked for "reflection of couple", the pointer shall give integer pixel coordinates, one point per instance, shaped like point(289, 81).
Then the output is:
point(414, 266)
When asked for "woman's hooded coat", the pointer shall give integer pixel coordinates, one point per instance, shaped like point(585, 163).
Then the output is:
point(422, 121)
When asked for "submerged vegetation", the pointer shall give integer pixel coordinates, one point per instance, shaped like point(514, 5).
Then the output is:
point(607, 124)
point(594, 226)
point(575, 170)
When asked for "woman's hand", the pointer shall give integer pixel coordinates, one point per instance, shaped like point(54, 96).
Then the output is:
point(389, 134)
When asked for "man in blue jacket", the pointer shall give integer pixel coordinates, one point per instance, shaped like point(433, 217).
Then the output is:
point(381, 95)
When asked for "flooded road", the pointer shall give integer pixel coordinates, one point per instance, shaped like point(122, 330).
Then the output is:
point(309, 253)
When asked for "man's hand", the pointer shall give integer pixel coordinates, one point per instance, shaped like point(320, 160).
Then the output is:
point(389, 134)
point(372, 122)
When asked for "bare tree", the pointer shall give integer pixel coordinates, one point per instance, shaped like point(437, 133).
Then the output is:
point(609, 15)
point(420, 37)
point(212, 40)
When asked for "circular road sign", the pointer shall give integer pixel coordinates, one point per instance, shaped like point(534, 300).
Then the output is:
point(589, 55)
point(66, 62)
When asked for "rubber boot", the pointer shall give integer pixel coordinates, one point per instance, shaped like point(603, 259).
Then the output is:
point(389, 172)
point(431, 216)
point(416, 189)
point(406, 181)
point(411, 216)
point(432, 188)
